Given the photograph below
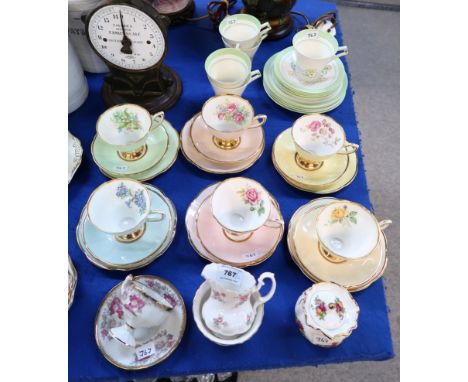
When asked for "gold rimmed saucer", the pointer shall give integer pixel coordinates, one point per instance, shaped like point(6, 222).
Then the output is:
point(302, 242)
point(335, 173)
point(194, 157)
point(205, 143)
point(241, 254)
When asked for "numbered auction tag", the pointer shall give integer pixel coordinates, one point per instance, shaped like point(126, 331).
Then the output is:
point(227, 273)
point(145, 351)
point(121, 167)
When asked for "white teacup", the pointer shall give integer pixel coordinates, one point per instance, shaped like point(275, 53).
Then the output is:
point(243, 29)
point(121, 207)
point(142, 308)
point(249, 51)
point(318, 137)
point(230, 68)
point(314, 49)
point(348, 231)
point(228, 116)
point(241, 206)
point(127, 127)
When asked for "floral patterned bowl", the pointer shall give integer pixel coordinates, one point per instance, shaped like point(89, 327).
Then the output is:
point(228, 115)
point(348, 230)
point(318, 137)
point(127, 126)
point(241, 205)
point(121, 207)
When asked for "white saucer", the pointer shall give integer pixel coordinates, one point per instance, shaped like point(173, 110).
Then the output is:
point(201, 296)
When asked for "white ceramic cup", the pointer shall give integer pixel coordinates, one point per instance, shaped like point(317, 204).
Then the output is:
point(314, 49)
point(120, 207)
point(249, 51)
point(241, 206)
point(243, 29)
point(230, 68)
point(142, 308)
point(318, 137)
point(127, 126)
point(348, 230)
point(228, 116)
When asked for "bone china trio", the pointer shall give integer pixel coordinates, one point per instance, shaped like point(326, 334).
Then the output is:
point(235, 223)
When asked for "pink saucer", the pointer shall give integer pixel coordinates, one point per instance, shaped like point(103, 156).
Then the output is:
point(202, 138)
point(203, 163)
point(259, 247)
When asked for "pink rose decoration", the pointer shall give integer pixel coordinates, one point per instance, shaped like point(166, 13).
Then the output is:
point(231, 107)
point(221, 115)
point(135, 303)
point(252, 196)
point(116, 307)
point(170, 300)
point(315, 125)
point(238, 117)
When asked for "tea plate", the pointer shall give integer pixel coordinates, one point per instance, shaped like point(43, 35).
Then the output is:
point(72, 281)
point(163, 165)
point(209, 241)
point(165, 338)
point(75, 152)
point(106, 156)
point(202, 294)
point(106, 252)
point(198, 160)
point(302, 241)
point(202, 140)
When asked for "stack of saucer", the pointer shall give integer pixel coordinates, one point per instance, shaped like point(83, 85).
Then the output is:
point(133, 144)
point(314, 155)
point(113, 251)
point(140, 322)
point(212, 238)
point(319, 95)
point(225, 137)
point(306, 248)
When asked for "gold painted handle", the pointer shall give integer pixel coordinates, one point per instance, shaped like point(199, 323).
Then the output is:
point(277, 223)
point(352, 146)
point(156, 212)
point(383, 224)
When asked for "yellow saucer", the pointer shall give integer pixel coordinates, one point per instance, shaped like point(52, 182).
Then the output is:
point(335, 174)
point(302, 241)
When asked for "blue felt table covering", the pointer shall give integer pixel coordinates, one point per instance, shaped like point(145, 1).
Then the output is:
point(278, 343)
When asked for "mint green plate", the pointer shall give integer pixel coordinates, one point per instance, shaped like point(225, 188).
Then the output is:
point(163, 165)
point(106, 252)
point(107, 159)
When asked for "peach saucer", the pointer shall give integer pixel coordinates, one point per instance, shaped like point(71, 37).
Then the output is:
point(208, 239)
point(202, 139)
point(203, 163)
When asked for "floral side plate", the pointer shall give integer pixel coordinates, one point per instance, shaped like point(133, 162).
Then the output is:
point(163, 340)
point(75, 152)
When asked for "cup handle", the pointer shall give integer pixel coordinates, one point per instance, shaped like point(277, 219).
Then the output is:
point(258, 120)
point(353, 147)
point(344, 52)
point(383, 224)
point(263, 299)
point(264, 29)
point(237, 46)
point(154, 219)
point(254, 75)
point(277, 223)
point(158, 118)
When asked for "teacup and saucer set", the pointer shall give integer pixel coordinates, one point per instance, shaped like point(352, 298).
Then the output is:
point(338, 241)
point(140, 322)
point(326, 314)
point(229, 71)
point(314, 155)
point(225, 137)
point(307, 77)
point(243, 31)
point(228, 307)
point(235, 222)
point(132, 143)
point(126, 225)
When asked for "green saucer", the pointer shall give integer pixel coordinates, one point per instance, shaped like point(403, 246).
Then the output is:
point(108, 160)
point(163, 165)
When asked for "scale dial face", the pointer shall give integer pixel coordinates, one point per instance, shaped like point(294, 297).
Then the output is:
point(141, 38)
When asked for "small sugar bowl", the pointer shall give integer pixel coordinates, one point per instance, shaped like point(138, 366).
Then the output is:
point(326, 314)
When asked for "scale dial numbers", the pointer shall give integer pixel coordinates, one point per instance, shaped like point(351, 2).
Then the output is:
point(106, 35)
